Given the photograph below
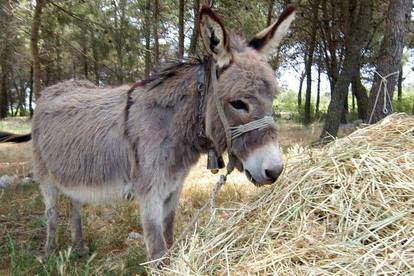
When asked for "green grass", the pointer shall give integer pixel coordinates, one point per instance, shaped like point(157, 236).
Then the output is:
point(22, 235)
point(16, 124)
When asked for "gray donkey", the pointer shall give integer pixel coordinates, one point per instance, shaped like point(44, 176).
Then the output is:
point(99, 145)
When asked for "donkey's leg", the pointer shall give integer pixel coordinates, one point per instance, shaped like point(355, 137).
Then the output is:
point(169, 206)
point(151, 219)
point(76, 227)
point(50, 193)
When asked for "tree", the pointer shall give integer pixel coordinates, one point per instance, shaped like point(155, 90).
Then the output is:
point(194, 36)
point(357, 14)
point(6, 51)
point(156, 11)
point(309, 61)
point(361, 95)
point(35, 47)
point(147, 31)
point(180, 52)
point(396, 26)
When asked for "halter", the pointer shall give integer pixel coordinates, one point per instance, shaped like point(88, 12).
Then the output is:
point(231, 132)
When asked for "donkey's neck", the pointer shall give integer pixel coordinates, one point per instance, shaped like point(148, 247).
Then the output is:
point(165, 116)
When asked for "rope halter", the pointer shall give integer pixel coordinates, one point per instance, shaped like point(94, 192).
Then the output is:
point(232, 132)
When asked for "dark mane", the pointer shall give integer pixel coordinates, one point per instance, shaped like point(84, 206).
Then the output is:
point(169, 69)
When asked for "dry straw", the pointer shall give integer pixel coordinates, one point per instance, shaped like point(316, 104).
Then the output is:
point(344, 209)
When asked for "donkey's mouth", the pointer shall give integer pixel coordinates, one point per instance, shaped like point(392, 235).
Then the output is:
point(250, 178)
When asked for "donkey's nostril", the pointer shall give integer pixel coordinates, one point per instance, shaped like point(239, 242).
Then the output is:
point(274, 173)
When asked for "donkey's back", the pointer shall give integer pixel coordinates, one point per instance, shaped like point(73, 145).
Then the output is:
point(78, 140)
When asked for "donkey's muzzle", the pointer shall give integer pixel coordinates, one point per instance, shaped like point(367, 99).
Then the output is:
point(264, 165)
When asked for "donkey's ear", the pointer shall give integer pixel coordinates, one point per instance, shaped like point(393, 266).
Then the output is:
point(270, 37)
point(214, 36)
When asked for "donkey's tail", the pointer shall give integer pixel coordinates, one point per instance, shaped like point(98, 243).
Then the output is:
point(7, 137)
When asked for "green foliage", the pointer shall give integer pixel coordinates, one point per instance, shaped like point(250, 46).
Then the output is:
point(404, 105)
point(286, 107)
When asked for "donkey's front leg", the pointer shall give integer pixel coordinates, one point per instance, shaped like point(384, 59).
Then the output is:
point(170, 204)
point(151, 219)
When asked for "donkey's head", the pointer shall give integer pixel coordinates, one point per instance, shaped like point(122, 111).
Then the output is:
point(245, 89)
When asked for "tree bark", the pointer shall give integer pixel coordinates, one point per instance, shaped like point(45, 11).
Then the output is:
point(119, 37)
point(147, 30)
point(195, 34)
point(399, 84)
point(156, 11)
point(318, 91)
point(84, 43)
point(180, 53)
point(6, 51)
point(356, 26)
point(309, 62)
point(34, 43)
point(31, 92)
point(4, 102)
point(95, 54)
point(301, 80)
point(361, 95)
point(396, 26)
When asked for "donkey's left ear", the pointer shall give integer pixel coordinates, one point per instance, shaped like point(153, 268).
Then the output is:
point(214, 36)
point(271, 37)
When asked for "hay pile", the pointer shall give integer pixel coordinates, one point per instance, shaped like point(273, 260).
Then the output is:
point(347, 208)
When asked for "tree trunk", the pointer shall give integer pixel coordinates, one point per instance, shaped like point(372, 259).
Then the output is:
point(360, 93)
point(309, 62)
point(301, 80)
point(95, 55)
point(119, 8)
point(156, 10)
point(356, 22)
point(4, 102)
point(345, 111)
point(396, 26)
point(6, 51)
point(147, 31)
point(59, 71)
point(400, 81)
point(31, 92)
point(195, 34)
point(34, 43)
point(84, 53)
point(180, 53)
point(318, 91)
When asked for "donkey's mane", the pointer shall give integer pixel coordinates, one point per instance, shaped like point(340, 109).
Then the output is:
point(169, 69)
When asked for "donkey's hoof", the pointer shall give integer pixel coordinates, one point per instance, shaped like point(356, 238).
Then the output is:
point(82, 250)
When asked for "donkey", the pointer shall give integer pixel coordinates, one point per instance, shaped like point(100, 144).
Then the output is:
point(99, 145)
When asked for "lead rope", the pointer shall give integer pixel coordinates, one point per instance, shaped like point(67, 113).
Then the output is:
point(383, 83)
point(210, 203)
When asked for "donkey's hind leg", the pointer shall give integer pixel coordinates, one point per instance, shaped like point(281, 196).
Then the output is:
point(50, 193)
point(76, 227)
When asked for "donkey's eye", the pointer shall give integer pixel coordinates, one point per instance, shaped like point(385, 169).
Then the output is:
point(239, 105)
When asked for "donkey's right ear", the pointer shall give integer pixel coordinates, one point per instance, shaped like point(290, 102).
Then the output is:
point(214, 36)
point(271, 37)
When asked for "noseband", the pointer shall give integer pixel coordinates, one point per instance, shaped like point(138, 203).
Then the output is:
point(231, 132)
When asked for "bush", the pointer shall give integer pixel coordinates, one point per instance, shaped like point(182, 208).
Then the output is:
point(404, 105)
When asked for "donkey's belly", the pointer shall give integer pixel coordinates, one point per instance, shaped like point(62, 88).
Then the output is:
point(105, 193)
